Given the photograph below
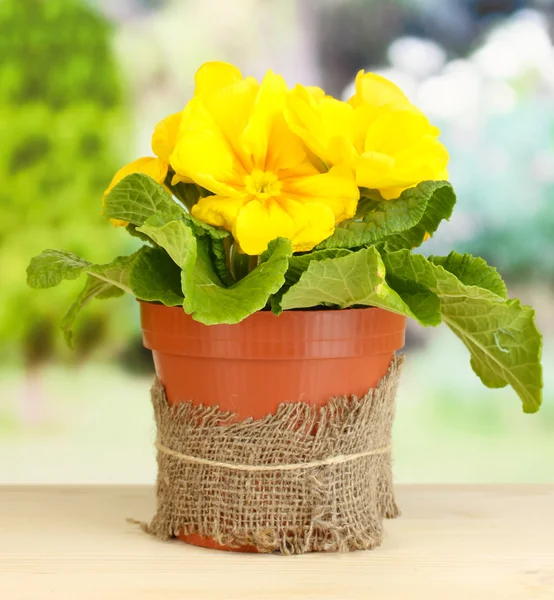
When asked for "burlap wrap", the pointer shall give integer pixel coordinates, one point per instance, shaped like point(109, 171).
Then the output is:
point(291, 507)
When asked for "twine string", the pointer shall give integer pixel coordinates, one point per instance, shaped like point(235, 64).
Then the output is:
point(331, 460)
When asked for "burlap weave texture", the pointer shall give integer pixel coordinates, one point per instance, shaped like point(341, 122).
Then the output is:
point(263, 492)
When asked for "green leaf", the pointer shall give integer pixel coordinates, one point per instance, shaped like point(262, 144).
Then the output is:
point(439, 207)
point(116, 272)
point(200, 228)
point(170, 235)
point(155, 277)
point(209, 302)
point(94, 288)
point(357, 279)
point(502, 337)
point(219, 261)
point(149, 274)
point(133, 231)
point(103, 281)
point(471, 270)
point(136, 198)
point(383, 218)
point(424, 304)
point(297, 265)
point(300, 262)
point(51, 267)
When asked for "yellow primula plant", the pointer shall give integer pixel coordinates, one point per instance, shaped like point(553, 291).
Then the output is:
point(263, 197)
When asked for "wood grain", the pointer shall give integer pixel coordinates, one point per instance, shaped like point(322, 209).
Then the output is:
point(452, 542)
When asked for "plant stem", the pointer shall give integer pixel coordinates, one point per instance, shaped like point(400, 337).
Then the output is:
point(177, 190)
point(240, 263)
point(228, 244)
point(253, 263)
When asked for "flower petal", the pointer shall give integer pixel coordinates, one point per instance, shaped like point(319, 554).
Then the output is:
point(259, 222)
point(267, 137)
point(180, 179)
point(165, 134)
point(336, 189)
point(318, 120)
point(230, 108)
point(212, 76)
point(314, 222)
point(341, 151)
point(393, 193)
point(424, 160)
point(400, 150)
point(316, 91)
point(426, 153)
point(375, 171)
point(376, 91)
point(219, 211)
point(204, 154)
point(209, 150)
point(393, 130)
point(285, 150)
point(153, 167)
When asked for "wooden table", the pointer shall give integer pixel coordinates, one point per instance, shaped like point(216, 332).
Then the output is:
point(453, 542)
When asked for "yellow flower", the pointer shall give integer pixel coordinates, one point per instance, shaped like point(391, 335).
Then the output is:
point(235, 142)
point(163, 142)
point(387, 142)
point(375, 90)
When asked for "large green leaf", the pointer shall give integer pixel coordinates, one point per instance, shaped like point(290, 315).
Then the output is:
point(172, 235)
point(51, 267)
point(94, 288)
point(209, 302)
point(501, 335)
point(377, 219)
point(357, 279)
point(300, 262)
point(200, 228)
point(424, 304)
point(150, 274)
point(103, 281)
point(116, 272)
point(439, 207)
point(138, 198)
point(155, 277)
point(169, 234)
point(297, 265)
point(133, 231)
point(471, 270)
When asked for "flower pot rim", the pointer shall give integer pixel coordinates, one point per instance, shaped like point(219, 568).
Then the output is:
point(315, 309)
point(293, 335)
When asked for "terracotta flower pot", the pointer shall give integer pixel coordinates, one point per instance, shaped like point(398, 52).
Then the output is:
point(252, 367)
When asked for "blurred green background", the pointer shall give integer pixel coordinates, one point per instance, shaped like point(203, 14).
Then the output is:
point(82, 84)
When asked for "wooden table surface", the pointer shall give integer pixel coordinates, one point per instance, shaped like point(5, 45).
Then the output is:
point(452, 542)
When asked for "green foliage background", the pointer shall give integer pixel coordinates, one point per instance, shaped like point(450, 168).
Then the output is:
point(63, 131)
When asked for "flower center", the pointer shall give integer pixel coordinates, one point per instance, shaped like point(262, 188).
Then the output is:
point(263, 184)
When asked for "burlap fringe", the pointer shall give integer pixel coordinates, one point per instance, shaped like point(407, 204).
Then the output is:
point(330, 507)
